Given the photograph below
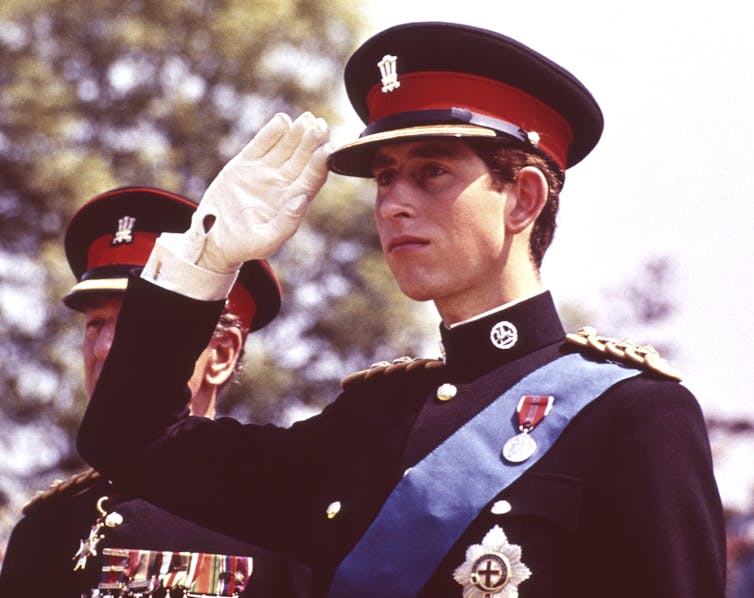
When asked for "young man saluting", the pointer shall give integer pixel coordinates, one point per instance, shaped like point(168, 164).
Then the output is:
point(526, 462)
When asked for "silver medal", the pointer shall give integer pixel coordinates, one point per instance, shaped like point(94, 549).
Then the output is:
point(519, 448)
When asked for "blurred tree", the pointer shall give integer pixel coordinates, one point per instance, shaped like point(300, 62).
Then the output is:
point(640, 308)
point(100, 94)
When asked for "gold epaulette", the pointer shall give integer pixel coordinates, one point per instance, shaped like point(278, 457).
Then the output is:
point(645, 357)
point(382, 369)
point(63, 488)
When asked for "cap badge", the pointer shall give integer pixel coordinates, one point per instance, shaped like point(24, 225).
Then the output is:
point(492, 568)
point(124, 234)
point(389, 72)
point(504, 335)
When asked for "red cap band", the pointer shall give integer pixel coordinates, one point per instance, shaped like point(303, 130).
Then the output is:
point(433, 90)
point(102, 252)
point(240, 303)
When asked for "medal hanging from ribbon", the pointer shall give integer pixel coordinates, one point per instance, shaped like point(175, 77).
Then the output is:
point(531, 410)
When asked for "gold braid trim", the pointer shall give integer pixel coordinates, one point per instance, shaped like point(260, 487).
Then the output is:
point(382, 369)
point(645, 357)
point(62, 488)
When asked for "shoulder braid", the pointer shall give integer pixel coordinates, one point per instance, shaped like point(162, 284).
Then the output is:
point(63, 488)
point(383, 369)
point(645, 357)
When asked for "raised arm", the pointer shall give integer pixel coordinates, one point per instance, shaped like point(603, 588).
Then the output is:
point(252, 207)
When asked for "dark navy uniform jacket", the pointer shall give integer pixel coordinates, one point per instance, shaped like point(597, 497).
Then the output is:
point(40, 556)
point(623, 505)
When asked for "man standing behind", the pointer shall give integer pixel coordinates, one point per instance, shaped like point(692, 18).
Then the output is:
point(70, 534)
point(526, 461)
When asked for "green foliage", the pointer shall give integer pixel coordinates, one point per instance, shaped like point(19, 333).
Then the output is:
point(100, 94)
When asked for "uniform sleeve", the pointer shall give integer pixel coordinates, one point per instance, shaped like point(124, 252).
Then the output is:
point(168, 269)
point(142, 390)
point(39, 558)
point(137, 431)
point(17, 567)
point(653, 505)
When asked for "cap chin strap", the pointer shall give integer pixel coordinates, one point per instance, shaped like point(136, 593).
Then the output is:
point(464, 116)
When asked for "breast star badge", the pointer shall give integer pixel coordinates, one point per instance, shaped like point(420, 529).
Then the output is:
point(492, 569)
point(88, 547)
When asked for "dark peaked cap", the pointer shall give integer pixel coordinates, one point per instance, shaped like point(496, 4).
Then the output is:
point(461, 81)
point(114, 232)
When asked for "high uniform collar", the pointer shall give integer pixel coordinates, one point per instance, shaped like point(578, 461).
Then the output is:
point(503, 335)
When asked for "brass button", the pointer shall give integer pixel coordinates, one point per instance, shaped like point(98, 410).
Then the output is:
point(113, 519)
point(333, 509)
point(500, 507)
point(446, 392)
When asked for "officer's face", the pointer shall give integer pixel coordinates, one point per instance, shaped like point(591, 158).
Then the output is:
point(441, 224)
point(100, 316)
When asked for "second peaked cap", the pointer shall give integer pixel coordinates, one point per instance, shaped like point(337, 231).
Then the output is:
point(114, 233)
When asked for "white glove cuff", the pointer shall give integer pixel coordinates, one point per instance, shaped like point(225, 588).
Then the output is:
point(168, 269)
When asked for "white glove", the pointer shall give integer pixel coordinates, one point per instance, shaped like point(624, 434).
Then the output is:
point(258, 199)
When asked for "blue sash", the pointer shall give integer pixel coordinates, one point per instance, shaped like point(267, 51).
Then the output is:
point(441, 495)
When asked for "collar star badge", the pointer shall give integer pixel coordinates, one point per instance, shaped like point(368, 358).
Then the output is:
point(504, 335)
point(492, 569)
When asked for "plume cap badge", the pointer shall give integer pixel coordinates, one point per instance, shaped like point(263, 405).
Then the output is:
point(389, 72)
point(124, 234)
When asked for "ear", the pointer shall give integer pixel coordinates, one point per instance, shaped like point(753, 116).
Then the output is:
point(529, 196)
point(225, 350)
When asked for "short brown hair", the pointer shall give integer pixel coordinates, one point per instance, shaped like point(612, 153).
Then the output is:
point(504, 163)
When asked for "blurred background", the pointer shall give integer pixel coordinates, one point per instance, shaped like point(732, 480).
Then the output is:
point(654, 225)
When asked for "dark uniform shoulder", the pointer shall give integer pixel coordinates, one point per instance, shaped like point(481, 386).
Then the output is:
point(644, 357)
point(390, 369)
point(64, 489)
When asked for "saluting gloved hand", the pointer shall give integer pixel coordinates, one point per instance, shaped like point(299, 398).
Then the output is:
point(258, 199)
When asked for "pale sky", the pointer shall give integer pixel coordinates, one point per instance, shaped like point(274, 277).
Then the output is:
point(671, 175)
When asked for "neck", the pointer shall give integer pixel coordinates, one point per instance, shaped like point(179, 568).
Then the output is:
point(511, 288)
point(203, 402)
point(494, 310)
